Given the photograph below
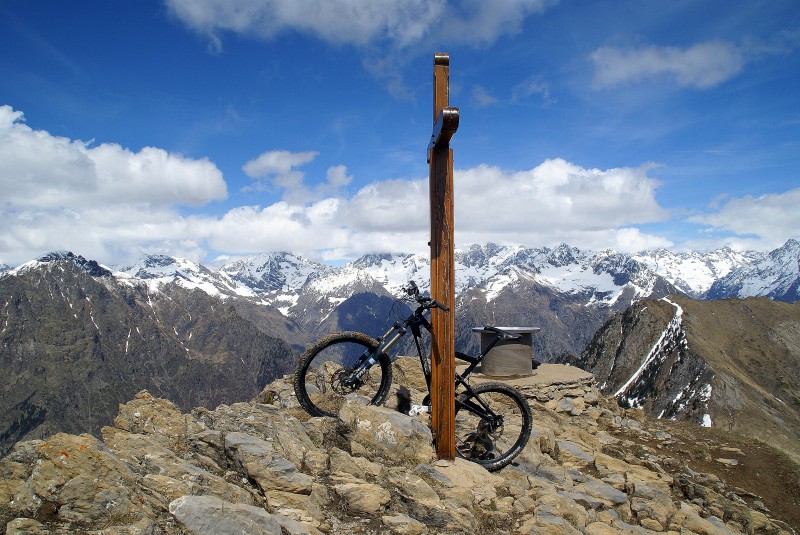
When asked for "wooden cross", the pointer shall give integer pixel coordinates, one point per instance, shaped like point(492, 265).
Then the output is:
point(440, 160)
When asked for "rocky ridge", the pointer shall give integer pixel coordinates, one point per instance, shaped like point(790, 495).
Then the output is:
point(265, 467)
point(74, 343)
point(732, 364)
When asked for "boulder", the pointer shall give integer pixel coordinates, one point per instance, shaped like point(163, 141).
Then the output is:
point(208, 515)
point(386, 433)
point(260, 462)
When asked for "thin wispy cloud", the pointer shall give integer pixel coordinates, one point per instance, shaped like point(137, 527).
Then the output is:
point(532, 88)
point(482, 98)
point(388, 33)
point(398, 23)
point(701, 66)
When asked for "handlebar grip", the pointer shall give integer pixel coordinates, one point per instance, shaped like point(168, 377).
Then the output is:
point(438, 305)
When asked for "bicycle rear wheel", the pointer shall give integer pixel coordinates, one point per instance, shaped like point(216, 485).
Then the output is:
point(492, 442)
point(321, 370)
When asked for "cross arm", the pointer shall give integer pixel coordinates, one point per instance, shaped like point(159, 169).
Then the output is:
point(446, 125)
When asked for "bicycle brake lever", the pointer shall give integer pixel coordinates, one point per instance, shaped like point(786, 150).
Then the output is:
point(438, 305)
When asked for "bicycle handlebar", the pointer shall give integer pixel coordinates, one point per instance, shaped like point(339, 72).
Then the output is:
point(437, 304)
point(413, 291)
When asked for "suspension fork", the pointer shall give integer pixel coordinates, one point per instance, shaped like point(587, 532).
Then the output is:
point(370, 357)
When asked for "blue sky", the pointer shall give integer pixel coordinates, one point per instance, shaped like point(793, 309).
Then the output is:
point(212, 129)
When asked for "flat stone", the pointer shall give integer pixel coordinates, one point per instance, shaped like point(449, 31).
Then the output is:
point(604, 491)
point(26, 526)
point(599, 528)
point(570, 451)
point(393, 436)
point(257, 458)
point(404, 525)
point(207, 515)
point(362, 498)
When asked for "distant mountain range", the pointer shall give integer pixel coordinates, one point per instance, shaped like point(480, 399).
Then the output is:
point(75, 341)
point(567, 291)
point(77, 337)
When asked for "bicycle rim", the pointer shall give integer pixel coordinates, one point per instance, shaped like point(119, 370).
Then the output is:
point(483, 441)
point(323, 368)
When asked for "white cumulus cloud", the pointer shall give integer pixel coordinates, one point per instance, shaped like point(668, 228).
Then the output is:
point(280, 169)
point(113, 204)
point(765, 221)
point(276, 162)
point(61, 193)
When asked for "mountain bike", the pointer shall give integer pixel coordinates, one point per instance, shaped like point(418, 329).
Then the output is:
point(492, 420)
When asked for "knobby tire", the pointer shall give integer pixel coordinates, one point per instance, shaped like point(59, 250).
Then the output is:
point(493, 449)
point(316, 376)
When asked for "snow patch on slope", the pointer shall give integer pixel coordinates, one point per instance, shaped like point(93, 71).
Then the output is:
point(673, 331)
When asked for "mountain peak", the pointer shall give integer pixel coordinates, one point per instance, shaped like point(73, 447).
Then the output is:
point(91, 267)
point(159, 266)
point(791, 247)
point(564, 255)
point(271, 272)
point(775, 275)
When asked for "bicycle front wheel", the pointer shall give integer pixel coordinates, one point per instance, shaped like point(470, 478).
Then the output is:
point(320, 379)
point(492, 438)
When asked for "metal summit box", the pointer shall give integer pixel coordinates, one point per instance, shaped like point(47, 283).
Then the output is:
point(507, 358)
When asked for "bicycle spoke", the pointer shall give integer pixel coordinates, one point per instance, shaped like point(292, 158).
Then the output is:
point(492, 438)
point(324, 376)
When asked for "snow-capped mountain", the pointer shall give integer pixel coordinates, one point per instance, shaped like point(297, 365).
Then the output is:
point(775, 275)
point(490, 267)
point(693, 273)
point(488, 277)
point(276, 278)
point(272, 272)
point(77, 340)
point(90, 267)
point(157, 270)
point(564, 289)
point(393, 271)
point(325, 292)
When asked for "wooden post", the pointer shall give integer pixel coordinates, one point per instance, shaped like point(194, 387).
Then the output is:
point(440, 159)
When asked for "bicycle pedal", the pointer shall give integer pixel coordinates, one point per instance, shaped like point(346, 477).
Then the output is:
point(418, 409)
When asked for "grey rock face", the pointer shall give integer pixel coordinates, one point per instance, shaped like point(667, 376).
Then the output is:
point(71, 332)
point(255, 468)
point(206, 515)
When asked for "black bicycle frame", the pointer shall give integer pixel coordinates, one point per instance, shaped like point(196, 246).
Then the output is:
point(483, 411)
point(413, 322)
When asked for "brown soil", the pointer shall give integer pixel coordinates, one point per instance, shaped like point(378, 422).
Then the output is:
point(770, 479)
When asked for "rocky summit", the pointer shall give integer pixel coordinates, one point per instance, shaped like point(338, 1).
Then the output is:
point(265, 467)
